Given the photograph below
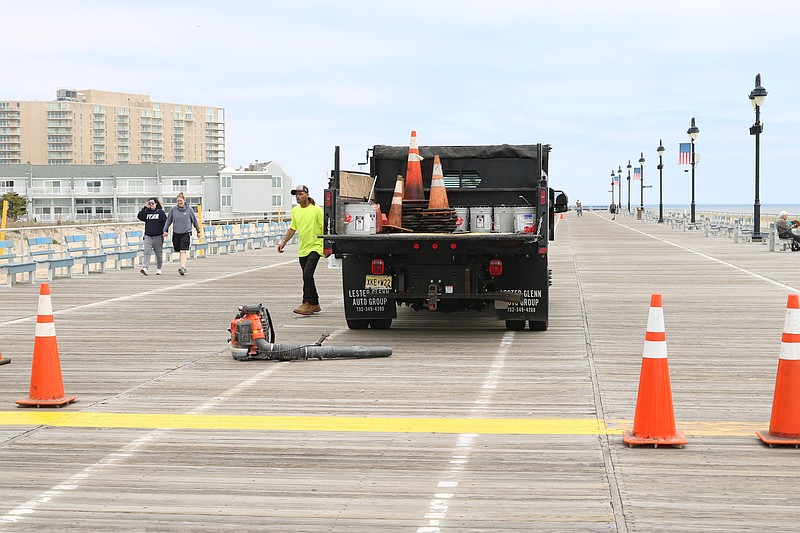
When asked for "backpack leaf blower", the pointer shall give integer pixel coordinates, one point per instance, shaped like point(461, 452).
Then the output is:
point(253, 339)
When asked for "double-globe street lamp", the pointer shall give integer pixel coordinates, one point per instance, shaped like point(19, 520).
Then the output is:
point(757, 97)
point(629, 167)
point(612, 187)
point(660, 151)
point(619, 192)
point(693, 132)
point(642, 186)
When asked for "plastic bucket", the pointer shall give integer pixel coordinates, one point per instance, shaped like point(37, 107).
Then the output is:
point(359, 219)
point(462, 219)
point(503, 219)
point(524, 220)
point(480, 219)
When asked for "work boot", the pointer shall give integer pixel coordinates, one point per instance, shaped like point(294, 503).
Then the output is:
point(304, 309)
point(315, 308)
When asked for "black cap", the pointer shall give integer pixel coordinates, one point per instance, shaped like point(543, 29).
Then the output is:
point(302, 188)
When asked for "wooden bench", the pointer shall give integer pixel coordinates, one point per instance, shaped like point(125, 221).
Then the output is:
point(111, 246)
point(11, 266)
point(199, 246)
point(40, 250)
point(776, 241)
point(84, 256)
point(221, 243)
point(246, 233)
point(135, 240)
point(236, 241)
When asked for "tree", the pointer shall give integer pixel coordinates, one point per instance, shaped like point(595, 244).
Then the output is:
point(17, 205)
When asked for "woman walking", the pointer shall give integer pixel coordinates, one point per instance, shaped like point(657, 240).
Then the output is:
point(154, 218)
point(183, 218)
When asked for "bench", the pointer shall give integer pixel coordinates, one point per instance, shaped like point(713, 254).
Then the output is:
point(246, 233)
point(135, 240)
point(40, 250)
point(227, 233)
point(219, 242)
point(11, 267)
point(84, 256)
point(775, 241)
point(111, 246)
point(199, 245)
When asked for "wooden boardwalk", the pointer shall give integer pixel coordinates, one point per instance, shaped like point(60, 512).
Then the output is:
point(467, 427)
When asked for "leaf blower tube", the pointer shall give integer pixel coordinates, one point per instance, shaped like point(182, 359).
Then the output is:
point(250, 340)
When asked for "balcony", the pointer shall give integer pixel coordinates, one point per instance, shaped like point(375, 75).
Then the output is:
point(104, 190)
point(146, 191)
point(39, 191)
point(19, 187)
point(188, 190)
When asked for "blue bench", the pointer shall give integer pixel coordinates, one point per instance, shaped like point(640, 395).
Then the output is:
point(40, 250)
point(246, 233)
point(84, 256)
point(221, 243)
point(135, 240)
point(11, 267)
point(200, 244)
point(111, 246)
point(236, 241)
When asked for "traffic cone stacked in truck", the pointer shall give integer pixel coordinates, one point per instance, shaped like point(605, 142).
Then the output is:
point(784, 424)
point(395, 219)
point(654, 420)
point(438, 196)
point(47, 388)
point(413, 183)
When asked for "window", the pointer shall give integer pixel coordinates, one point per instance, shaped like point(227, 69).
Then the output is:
point(179, 185)
point(6, 186)
point(276, 182)
point(225, 182)
point(52, 186)
point(226, 200)
point(93, 186)
point(136, 186)
point(277, 200)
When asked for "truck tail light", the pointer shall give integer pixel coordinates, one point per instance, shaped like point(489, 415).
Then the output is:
point(495, 267)
point(543, 250)
point(543, 197)
point(416, 246)
point(453, 246)
point(435, 246)
point(377, 267)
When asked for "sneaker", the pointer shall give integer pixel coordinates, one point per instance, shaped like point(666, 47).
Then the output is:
point(182, 271)
point(315, 308)
point(304, 309)
point(143, 271)
point(158, 272)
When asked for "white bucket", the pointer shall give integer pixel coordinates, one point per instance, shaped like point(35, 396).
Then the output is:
point(462, 219)
point(503, 219)
point(524, 220)
point(359, 219)
point(480, 219)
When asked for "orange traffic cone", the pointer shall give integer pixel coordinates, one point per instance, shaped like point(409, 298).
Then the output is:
point(396, 210)
point(47, 389)
point(654, 421)
point(438, 199)
point(4, 361)
point(784, 425)
point(413, 184)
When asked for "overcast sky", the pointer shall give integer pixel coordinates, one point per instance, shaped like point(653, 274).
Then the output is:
point(599, 81)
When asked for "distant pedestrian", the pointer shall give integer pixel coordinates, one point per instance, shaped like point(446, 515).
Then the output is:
point(183, 218)
point(307, 221)
point(154, 218)
point(613, 210)
point(579, 208)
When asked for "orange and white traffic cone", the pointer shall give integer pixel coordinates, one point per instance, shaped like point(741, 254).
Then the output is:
point(413, 183)
point(47, 389)
point(654, 420)
point(395, 218)
point(438, 196)
point(784, 425)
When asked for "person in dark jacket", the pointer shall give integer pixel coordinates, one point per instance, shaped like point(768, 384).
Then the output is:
point(182, 219)
point(154, 218)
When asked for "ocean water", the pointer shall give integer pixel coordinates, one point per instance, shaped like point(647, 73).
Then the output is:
point(742, 209)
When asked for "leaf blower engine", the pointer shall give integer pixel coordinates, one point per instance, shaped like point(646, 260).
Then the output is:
point(253, 339)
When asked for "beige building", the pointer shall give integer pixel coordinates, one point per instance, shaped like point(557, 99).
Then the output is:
point(104, 128)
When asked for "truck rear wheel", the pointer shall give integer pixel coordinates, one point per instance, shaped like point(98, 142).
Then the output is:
point(357, 323)
point(515, 325)
point(380, 323)
point(538, 325)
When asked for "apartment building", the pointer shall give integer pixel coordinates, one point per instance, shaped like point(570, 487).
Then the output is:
point(92, 127)
point(118, 192)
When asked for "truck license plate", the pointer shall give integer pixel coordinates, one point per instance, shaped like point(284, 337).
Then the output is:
point(383, 281)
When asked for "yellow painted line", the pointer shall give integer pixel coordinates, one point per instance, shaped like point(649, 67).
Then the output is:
point(487, 426)
point(504, 426)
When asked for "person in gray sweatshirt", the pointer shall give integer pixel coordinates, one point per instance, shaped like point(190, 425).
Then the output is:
point(181, 218)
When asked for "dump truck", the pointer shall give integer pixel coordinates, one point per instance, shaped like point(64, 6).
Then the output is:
point(493, 258)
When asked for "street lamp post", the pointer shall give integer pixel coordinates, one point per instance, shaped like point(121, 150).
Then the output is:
point(660, 151)
point(619, 191)
point(612, 186)
point(629, 167)
point(641, 175)
point(757, 97)
point(693, 132)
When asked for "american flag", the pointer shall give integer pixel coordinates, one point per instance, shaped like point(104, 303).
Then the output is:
point(637, 173)
point(685, 154)
point(616, 179)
